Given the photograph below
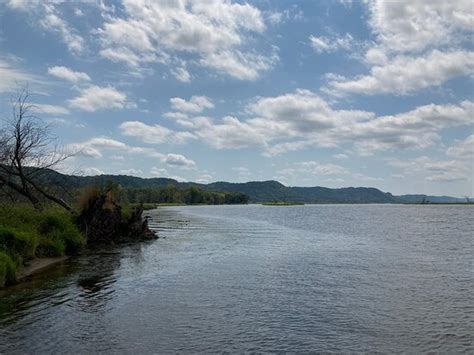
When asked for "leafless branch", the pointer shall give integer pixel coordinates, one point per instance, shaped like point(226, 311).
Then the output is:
point(27, 149)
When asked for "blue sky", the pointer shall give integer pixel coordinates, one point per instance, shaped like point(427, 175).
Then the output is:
point(328, 93)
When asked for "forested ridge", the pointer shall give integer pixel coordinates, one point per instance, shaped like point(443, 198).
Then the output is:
point(158, 190)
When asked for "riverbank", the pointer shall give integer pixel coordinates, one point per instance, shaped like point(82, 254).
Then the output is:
point(32, 240)
point(36, 266)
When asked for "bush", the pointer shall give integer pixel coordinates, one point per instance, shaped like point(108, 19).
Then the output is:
point(50, 246)
point(18, 243)
point(27, 233)
point(7, 270)
point(59, 235)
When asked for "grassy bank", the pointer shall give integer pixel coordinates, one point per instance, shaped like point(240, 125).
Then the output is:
point(26, 233)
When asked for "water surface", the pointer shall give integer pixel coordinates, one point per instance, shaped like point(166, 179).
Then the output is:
point(261, 278)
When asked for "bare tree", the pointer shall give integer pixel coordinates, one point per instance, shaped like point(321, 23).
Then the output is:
point(27, 150)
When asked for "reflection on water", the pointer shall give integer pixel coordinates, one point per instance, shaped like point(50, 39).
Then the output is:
point(96, 280)
point(255, 278)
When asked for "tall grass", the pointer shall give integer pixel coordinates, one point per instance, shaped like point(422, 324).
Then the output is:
point(26, 233)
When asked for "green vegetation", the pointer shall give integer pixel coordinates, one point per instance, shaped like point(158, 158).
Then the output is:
point(282, 203)
point(257, 191)
point(26, 233)
point(172, 195)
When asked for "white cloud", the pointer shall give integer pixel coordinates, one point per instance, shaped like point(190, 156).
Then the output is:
point(214, 32)
point(155, 134)
point(341, 156)
point(11, 75)
point(230, 133)
point(178, 160)
point(22, 4)
point(416, 129)
point(285, 147)
point(415, 25)
point(204, 179)
point(195, 105)
point(181, 74)
point(56, 121)
point(406, 74)
point(131, 172)
point(103, 142)
point(240, 65)
point(417, 46)
point(92, 148)
point(95, 98)
point(65, 73)
point(50, 109)
point(178, 178)
point(92, 171)
point(436, 170)
point(324, 44)
point(376, 56)
point(299, 119)
point(293, 13)
point(51, 20)
point(317, 168)
point(176, 116)
point(463, 149)
point(275, 17)
point(302, 119)
point(159, 172)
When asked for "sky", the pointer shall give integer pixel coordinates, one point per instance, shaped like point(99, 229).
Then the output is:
point(309, 93)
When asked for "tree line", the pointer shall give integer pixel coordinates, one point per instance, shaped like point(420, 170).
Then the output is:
point(190, 196)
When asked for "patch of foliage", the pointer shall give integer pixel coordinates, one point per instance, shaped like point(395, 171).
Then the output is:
point(172, 195)
point(7, 269)
point(26, 233)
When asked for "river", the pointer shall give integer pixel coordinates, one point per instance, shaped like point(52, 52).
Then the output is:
point(343, 278)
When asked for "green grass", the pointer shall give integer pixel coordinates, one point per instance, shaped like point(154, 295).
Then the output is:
point(26, 233)
point(8, 269)
point(282, 203)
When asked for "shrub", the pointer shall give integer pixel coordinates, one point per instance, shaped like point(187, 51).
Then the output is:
point(50, 246)
point(59, 235)
point(27, 233)
point(7, 270)
point(18, 243)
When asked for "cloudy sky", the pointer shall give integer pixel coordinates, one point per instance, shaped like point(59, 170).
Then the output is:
point(330, 93)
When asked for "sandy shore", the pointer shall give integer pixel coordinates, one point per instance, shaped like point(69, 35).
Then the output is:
point(38, 265)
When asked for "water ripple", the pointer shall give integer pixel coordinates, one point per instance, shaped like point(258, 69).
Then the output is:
point(258, 279)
